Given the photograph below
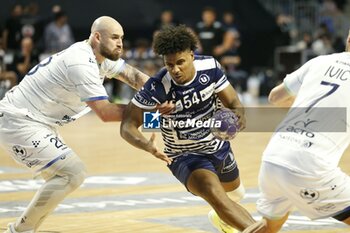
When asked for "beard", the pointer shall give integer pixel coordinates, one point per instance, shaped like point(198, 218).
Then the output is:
point(108, 54)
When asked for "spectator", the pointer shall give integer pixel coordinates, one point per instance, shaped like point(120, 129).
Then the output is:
point(210, 31)
point(322, 45)
point(58, 34)
point(305, 42)
point(25, 59)
point(142, 57)
point(141, 51)
point(334, 19)
point(231, 35)
point(31, 22)
point(51, 17)
point(7, 78)
point(228, 19)
point(11, 35)
point(231, 62)
point(285, 30)
point(166, 19)
point(228, 55)
point(56, 8)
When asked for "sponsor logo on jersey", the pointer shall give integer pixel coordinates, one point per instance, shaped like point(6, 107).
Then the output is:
point(207, 92)
point(304, 124)
point(142, 100)
point(36, 143)
point(33, 163)
point(300, 142)
point(19, 151)
point(153, 86)
point(326, 208)
point(229, 164)
point(67, 119)
point(309, 194)
point(300, 131)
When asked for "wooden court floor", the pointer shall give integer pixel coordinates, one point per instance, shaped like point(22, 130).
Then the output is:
point(130, 191)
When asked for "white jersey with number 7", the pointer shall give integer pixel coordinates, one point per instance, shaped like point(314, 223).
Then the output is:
point(316, 130)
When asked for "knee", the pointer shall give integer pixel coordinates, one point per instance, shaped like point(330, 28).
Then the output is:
point(74, 173)
point(206, 190)
point(206, 184)
point(77, 178)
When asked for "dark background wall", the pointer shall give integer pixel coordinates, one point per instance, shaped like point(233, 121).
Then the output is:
point(137, 16)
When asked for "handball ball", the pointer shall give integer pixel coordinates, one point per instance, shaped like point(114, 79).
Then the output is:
point(228, 127)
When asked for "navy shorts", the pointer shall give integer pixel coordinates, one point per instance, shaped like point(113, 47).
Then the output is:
point(225, 166)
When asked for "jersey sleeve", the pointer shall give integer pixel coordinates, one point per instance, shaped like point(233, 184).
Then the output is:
point(293, 81)
point(113, 68)
point(221, 81)
point(150, 95)
point(87, 82)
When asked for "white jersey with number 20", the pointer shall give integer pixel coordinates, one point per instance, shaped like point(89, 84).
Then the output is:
point(55, 91)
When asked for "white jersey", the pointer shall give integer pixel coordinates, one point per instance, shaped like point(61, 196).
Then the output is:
point(316, 130)
point(55, 91)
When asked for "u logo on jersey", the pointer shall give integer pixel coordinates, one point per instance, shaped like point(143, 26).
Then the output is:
point(204, 79)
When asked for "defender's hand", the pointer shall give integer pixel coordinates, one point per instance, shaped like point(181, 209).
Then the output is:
point(166, 108)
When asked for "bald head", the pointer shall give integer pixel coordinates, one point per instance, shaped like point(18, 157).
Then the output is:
point(106, 38)
point(105, 24)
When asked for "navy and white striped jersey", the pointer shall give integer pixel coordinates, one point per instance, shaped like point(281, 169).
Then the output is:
point(55, 91)
point(195, 101)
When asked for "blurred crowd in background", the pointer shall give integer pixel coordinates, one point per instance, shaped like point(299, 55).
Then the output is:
point(304, 29)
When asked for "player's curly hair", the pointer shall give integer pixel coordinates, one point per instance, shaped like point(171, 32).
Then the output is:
point(174, 39)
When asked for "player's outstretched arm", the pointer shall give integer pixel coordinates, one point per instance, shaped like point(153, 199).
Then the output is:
point(132, 120)
point(106, 110)
point(133, 77)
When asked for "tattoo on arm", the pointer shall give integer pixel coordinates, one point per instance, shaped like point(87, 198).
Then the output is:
point(133, 77)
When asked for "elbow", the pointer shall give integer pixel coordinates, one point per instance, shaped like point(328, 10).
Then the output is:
point(124, 130)
point(104, 117)
point(273, 97)
point(280, 99)
point(105, 120)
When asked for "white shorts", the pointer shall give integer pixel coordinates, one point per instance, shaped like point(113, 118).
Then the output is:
point(35, 145)
point(315, 197)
